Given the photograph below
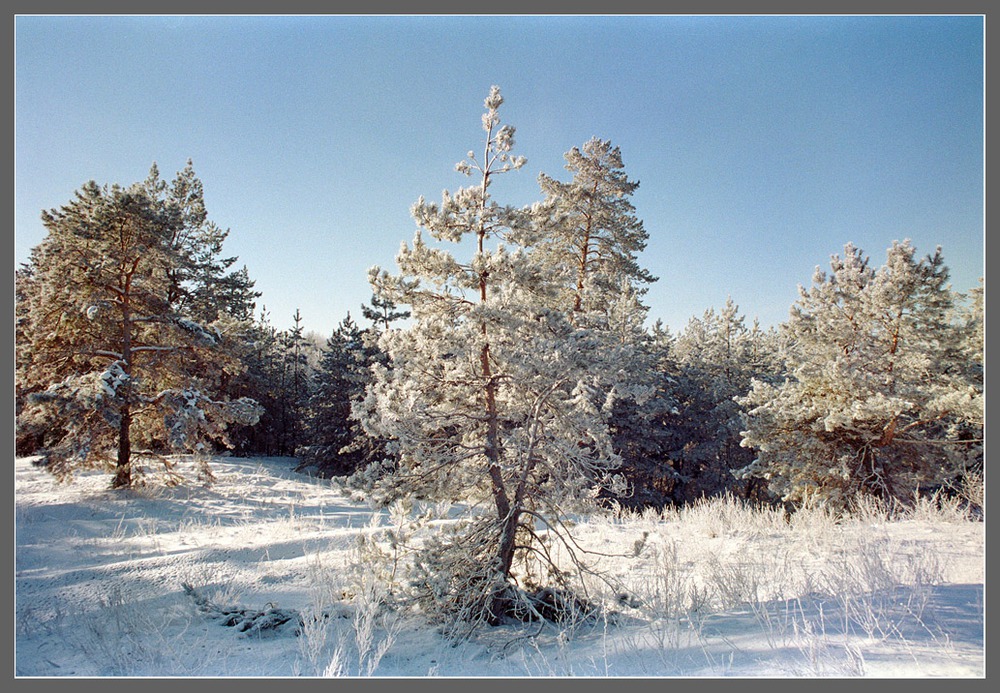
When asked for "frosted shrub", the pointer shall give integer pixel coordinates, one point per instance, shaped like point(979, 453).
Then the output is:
point(383, 553)
point(736, 583)
point(868, 509)
point(815, 519)
point(375, 626)
point(938, 507)
point(122, 636)
point(727, 515)
point(454, 577)
point(671, 593)
point(353, 618)
point(879, 585)
point(324, 592)
point(972, 489)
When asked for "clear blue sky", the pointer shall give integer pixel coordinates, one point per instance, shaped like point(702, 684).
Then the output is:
point(762, 144)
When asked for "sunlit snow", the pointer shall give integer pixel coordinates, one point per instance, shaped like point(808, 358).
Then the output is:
point(709, 591)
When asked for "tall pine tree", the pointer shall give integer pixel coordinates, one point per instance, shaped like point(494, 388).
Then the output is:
point(106, 347)
point(596, 236)
point(491, 393)
point(343, 373)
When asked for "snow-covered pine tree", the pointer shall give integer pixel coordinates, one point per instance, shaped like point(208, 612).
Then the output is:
point(203, 285)
point(28, 439)
point(489, 399)
point(382, 313)
point(595, 237)
point(105, 350)
point(363, 452)
point(969, 351)
point(294, 386)
point(641, 427)
point(205, 289)
point(716, 357)
point(263, 359)
point(876, 395)
point(591, 250)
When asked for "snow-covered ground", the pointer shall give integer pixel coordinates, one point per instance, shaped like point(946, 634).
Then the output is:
point(713, 590)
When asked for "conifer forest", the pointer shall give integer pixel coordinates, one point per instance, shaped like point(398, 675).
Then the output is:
point(506, 370)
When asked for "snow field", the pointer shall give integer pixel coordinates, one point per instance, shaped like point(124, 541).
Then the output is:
point(713, 589)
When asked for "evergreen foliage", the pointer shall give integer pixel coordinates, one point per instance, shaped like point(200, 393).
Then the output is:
point(591, 247)
point(105, 348)
point(595, 236)
point(337, 446)
point(520, 381)
point(382, 313)
point(714, 361)
point(642, 430)
point(278, 372)
point(294, 385)
point(493, 397)
point(879, 397)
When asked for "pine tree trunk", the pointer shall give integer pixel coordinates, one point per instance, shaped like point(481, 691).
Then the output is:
point(582, 270)
point(123, 472)
point(505, 558)
point(508, 536)
point(491, 448)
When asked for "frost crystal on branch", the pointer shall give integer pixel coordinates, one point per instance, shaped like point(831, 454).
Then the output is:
point(198, 331)
point(113, 378)
point(191, 418)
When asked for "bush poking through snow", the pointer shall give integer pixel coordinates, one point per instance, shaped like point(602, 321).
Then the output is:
point(248, 622)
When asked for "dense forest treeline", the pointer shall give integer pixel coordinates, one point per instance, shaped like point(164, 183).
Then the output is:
point(137, 338)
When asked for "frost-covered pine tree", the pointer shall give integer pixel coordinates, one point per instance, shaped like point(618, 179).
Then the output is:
point(206, 290)
point(382, 313)
point(203, 284)
point(968, 355)
point(362, 451)
point(294, 386)
point(591, 251)
point(971, 322)
point(595, 237)
point(262, 355)
point(105, 349)
point(876, 397)
point(641, 428)
point(490, 394)
point(714, 361)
